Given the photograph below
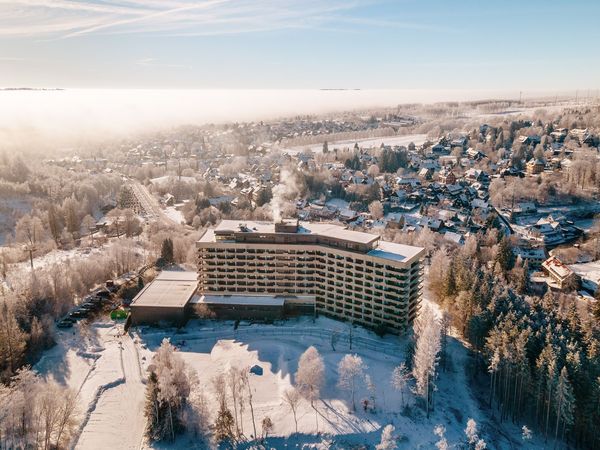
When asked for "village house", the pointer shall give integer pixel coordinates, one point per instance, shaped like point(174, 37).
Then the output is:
point(447, 177)
point(561, 275)
point(535, 166)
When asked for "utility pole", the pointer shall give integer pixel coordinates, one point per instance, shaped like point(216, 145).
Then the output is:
point(30, 248)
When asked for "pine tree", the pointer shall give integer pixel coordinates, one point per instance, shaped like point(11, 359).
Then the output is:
point(13, 342)
point(152, 408)
point(565, 402)
point(166, 252)
point(505, 257)
point(224, 424)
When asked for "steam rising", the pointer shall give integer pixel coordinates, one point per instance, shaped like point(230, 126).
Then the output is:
point(286, 190)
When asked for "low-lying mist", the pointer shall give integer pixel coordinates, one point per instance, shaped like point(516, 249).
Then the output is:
point(40, 120)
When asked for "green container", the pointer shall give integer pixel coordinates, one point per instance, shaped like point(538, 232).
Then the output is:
point(118, 314)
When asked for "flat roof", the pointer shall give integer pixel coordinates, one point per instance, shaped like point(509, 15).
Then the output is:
point(170, 289)
point(395, 252)
point(383, 249)
point(321, 229)
point(245, 300)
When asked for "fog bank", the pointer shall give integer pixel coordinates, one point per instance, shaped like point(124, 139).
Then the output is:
point(51, 119)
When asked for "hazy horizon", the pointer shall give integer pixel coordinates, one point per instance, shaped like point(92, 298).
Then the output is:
point(77, 116)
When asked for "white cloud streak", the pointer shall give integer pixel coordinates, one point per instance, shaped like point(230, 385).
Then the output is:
point(58, 19)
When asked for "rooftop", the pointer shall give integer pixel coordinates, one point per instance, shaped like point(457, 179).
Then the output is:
point(555, 265)
point(169, 289)
point(320, 229)
point(371, 244)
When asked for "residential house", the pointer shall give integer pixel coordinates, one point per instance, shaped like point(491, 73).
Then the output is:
point(447, 177)
point(535, 166)
point(561, 275)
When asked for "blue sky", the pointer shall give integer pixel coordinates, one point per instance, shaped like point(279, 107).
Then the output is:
point(403, 44)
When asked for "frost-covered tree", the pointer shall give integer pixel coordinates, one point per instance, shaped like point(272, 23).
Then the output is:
point(376, 209)
point(399, 381)
point(234, 383)
point(310, 376)
point(292, 399)
point(425, 359)
point(372, 389)
point(526, 433)
point(388, 441)
point(223, 427)
point(245, 379)
point(169, 386)
point(267, 427)
point(473, 440)
point(13, 342)
point(565, 402)
point(351, 369)
point(440, 432)
point(35, 413)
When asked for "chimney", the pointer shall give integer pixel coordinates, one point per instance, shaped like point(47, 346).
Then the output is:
point(286, 226)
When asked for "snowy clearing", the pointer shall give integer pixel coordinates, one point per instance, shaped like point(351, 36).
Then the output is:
point(276, 349)
point(174, 215)
point(108, 368)
point(418, 139)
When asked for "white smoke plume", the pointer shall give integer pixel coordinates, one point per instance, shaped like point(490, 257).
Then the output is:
point(285, 191)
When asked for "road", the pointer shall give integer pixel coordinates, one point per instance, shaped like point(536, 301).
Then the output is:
point(147, 201)
point(118, 420)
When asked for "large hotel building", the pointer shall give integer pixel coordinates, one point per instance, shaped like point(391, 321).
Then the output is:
point(349, 275)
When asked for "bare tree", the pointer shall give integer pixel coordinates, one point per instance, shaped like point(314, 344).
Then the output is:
point(234, 381)
point(292, 398)
point(89, 225)
point(246, 382)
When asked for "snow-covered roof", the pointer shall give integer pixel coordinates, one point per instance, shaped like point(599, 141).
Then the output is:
point(395, 252)
point(169, 289)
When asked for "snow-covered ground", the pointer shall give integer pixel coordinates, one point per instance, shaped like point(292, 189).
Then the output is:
point(59, 256)
point(211, 349)
point(174, 214)
point(107, 368)
point(418, 139)
point(102, 365)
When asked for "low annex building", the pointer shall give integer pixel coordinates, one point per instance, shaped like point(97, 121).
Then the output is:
point(167, 298)
point(303, 266)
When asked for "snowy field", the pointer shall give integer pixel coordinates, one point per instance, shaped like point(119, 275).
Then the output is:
point(418, 139)
point(174, 215)
point(107, 369)
point(276, 349)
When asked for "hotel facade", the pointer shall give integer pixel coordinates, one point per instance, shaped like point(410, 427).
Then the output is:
point(348, 275)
